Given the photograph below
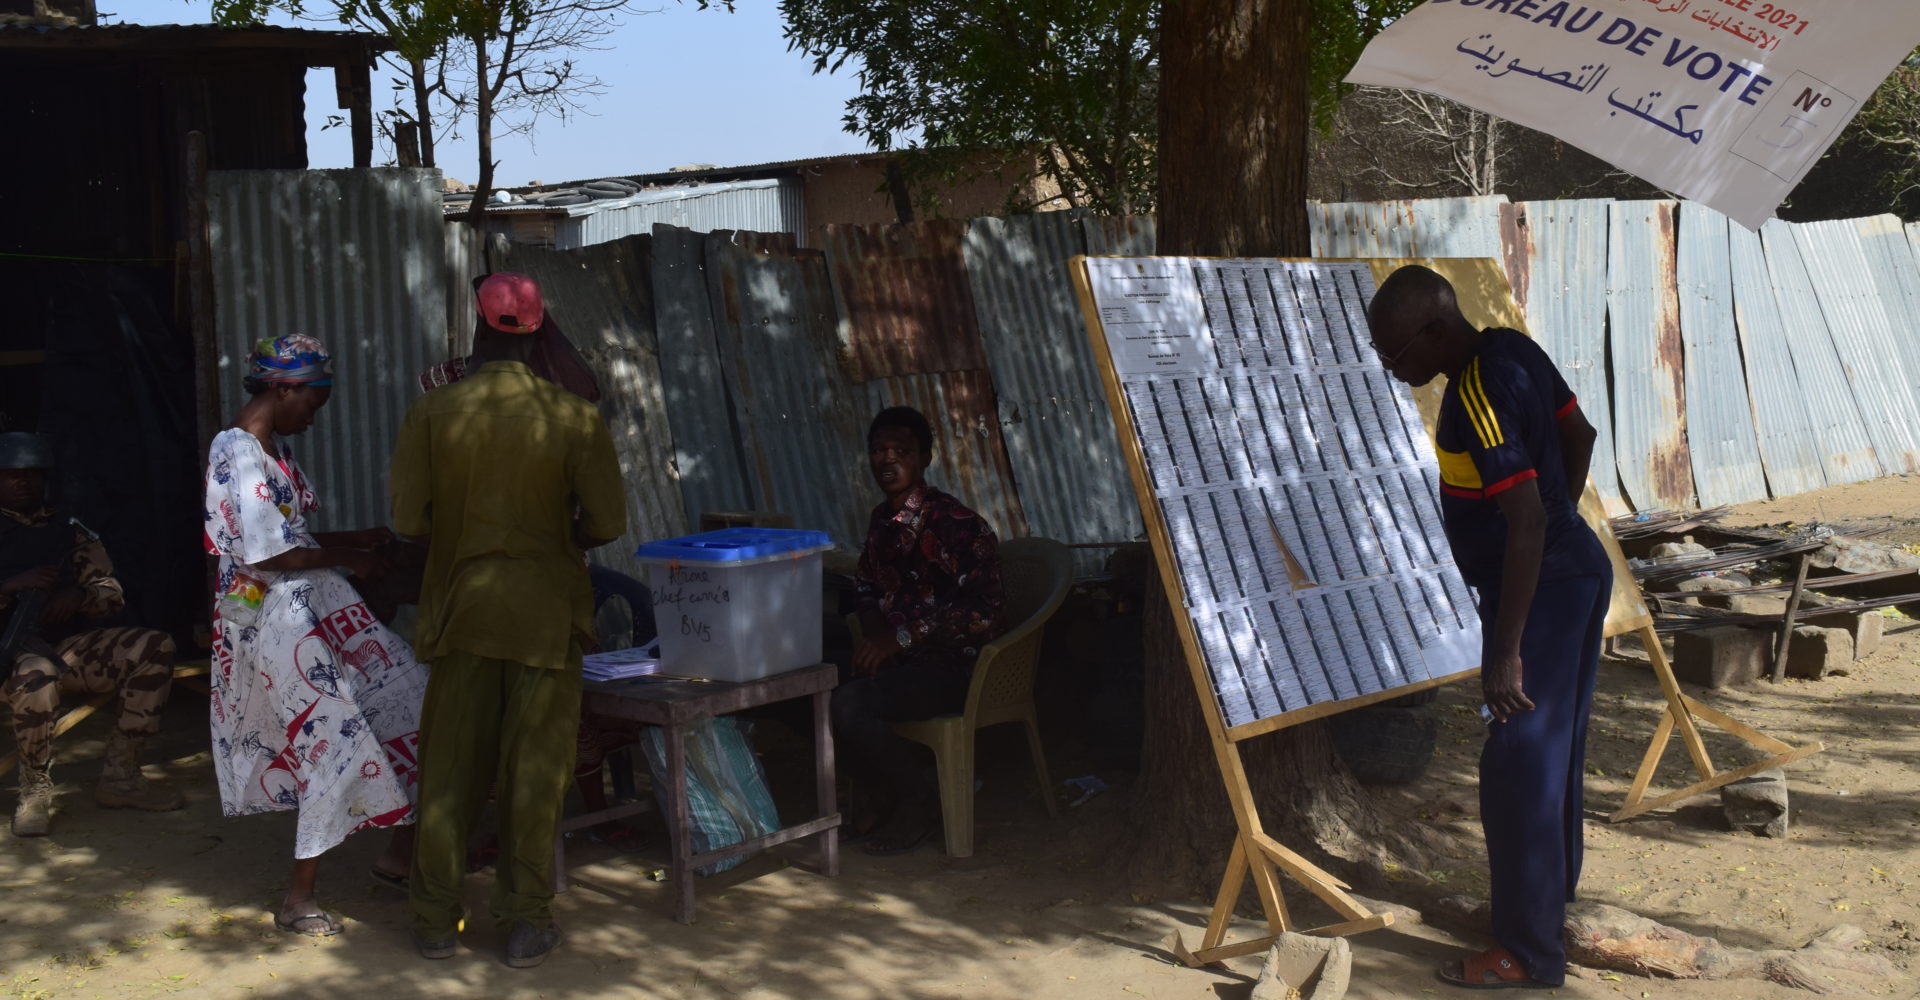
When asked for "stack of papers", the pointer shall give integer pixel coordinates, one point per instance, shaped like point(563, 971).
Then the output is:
point(621, 664)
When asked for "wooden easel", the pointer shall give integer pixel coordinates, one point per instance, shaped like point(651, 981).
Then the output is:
point(1255, 854)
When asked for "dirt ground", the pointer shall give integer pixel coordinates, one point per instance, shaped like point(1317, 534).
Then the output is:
point(121, 905)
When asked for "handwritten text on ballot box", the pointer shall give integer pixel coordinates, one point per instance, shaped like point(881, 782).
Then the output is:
point(737, 604)
point(1726, 102)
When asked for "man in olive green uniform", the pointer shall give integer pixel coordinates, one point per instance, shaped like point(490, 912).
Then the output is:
point(510, 478)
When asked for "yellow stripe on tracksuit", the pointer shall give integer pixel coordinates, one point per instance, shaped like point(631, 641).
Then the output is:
point(1473, 396)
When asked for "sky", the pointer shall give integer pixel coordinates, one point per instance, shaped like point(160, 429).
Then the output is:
point(683, 86)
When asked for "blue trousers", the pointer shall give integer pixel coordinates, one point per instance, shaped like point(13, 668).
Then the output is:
point(1532, 769)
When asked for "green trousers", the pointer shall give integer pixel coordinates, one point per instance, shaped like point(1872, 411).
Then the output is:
point(505, 726)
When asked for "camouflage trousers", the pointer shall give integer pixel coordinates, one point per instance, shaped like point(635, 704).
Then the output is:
point(136, 662)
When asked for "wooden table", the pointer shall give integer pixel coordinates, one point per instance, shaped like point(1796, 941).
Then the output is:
point(676, 705)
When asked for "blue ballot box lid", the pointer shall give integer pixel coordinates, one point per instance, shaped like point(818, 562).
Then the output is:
point(736, 545)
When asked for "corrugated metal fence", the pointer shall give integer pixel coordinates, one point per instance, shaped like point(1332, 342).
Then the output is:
point(357, 258)
point(740, 369)
point(1719, 365)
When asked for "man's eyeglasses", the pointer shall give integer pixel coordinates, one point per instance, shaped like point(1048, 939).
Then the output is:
point(1393, 359)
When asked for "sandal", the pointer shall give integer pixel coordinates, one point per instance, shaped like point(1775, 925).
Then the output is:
point(390, 879)
point(327, 926)
point(1493, 969)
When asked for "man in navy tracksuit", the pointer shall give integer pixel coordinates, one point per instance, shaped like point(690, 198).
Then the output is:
point(1513, 448)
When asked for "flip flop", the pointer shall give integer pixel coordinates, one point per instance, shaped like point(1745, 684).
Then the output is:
point(388, 879)
point(1493, 969)
point(328, 926)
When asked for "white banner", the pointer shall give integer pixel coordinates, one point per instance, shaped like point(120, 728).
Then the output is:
point(1726, 102)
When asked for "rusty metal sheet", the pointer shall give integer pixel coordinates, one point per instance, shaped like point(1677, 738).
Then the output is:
point(356, 258)
point(1059, 432)
point(1839, 432)
point(1643, 313)
point(602, 296)
point(904, 303)
point(970, 458)
point(1560, 252)
point(706, 438)
point(1720, 434)
point(1783, 422)
point(1424, 227)
point(802, 423)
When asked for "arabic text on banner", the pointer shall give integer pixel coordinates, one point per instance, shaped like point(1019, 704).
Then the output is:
point(1726, 102)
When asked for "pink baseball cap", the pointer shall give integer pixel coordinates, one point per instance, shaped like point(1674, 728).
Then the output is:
point(510, 302)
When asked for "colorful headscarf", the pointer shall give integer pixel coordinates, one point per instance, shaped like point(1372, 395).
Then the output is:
point(295, 359)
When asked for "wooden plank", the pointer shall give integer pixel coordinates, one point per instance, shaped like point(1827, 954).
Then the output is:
point(1740, 729)
point(1650, 761)
point(1786, 620)
point(1676, 702)
point(1817, 583)
point(1717, 781)
point(824, 788)
point(785, 835)
point(1229, 893)
point(1324, 709)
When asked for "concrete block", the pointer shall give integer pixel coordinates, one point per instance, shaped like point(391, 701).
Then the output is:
point(1866, 628)
point(1313, 968)
point(1709, 587)
point(1757, 804)
point(1722, 657)
point(1817, 652)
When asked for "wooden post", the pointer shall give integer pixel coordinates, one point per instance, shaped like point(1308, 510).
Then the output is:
point(353, 92)
point(1786, 626)
point(206, 343)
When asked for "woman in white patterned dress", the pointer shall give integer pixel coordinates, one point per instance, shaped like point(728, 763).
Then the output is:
point(316, 705)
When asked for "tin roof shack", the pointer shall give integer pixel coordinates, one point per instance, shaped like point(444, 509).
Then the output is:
point(95, 353)
point(864, 188)
point(97, 118)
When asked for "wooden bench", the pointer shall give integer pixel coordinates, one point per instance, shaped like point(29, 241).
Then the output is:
point(189, 671)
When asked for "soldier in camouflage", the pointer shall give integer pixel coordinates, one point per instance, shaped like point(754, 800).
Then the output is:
point(41, 549)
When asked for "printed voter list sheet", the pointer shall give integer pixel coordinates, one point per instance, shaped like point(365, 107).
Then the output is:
point(1294, 478)
point(1150, 308)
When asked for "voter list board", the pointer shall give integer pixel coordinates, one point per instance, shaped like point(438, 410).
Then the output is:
point(1294, 478)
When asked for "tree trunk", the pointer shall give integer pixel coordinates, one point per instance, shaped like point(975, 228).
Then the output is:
point(1233, 127)
point(482, 132)
point(422, 110)
point(1233, 182)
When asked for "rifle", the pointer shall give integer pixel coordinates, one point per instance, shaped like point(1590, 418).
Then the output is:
point(31, 604)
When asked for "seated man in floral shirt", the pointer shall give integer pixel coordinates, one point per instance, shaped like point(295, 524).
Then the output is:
point(929, 597)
